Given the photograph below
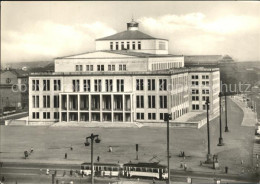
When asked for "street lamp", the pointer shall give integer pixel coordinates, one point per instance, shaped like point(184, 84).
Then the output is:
point(167, 118)
point(226, 127)
point(208, 131)
point(97, 140)
point(220, 140)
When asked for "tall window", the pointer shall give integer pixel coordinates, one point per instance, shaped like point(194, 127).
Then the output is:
point(111, 45)
point(163, 84)
point(128, 45)
point(35, 115)
point(46, 101)
point(56, 85)
point(35, 85)
point(139, 45)
point(109, 85)
point(195, 107)
point(120, 85)
point(204, 91)
point(111, 67)
point(116, 45)
point(46, 85)
point(56, 115)
point(195, 91)
point(151, 84)
point(139, 84)
point(89, 67)
point(46, 115)
point(79, 67)
point(86, 84)
point(76, 85)
point(100, 67)
point(133, 45)
point(151, 101)
point(139, 101)
point(97, 85)
point(195, 98)
point(163, 102)
point(36, 101)
point(122, 46)
point(56, 101)
point(163, 116)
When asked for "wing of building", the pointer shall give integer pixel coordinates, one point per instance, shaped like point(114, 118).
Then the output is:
point(130, 77)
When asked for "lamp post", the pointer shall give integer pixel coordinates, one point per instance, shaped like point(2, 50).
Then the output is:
point(167, 118)
point(226, 127)
point(97, 140)
point(208, 131)
point(220, 140)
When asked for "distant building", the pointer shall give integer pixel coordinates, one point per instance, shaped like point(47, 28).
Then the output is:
point(130, 77)
point(207, 60)
point(14, 89)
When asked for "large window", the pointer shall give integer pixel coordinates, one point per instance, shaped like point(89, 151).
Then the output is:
point(35, 85)
point(128, 45)
point(116, 45)
point(111, 67)
point(195, 107)
point(133, 45)
point(122, 46)
point(89, 67)
point(76, 85)
point(35, 101)
point(46, 115)
point(100, 67)
point(120, 85)
point(163, 102)
point(109, 85)
point(139, 101)
point(195, 98)
point(163, 84)
point(139, 84)
point(56, 85)
point(56, 101)
point(122, 67)
point(97, 85)
point(151, 101)
point(56, 115)
point(163, 116)
point(151, 84)
point(46, 85)
point(111, 45)
point(35, 115)
point(46, 101)
point(86, 85)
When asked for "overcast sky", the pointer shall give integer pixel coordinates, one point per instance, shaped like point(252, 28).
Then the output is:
point(36, 31)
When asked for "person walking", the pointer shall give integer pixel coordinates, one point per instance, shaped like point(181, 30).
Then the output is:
point(98, 158)
point(65, 155)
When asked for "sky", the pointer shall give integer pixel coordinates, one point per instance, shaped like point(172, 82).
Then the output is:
point(39, 31)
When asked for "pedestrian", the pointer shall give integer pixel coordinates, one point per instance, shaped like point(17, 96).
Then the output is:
point(181, 165)
point(47, 171)
point(183, 154)
point(98, 158)
point(71, 148)
point(3, 179)
point(185, 167)
point(65, 155)
point(110, 149)
point(71, 172)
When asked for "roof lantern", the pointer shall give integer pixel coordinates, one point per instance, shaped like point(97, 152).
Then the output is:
point(132, 26)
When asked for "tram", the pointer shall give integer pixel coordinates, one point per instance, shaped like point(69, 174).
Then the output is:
point(101, 169)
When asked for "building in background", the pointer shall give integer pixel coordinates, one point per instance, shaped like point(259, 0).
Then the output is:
point(14, 90)
point(130, 77)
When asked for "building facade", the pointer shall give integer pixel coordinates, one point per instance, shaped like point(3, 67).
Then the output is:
point(130, 77)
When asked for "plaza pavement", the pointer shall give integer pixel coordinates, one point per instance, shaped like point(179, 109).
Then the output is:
point(50, 144)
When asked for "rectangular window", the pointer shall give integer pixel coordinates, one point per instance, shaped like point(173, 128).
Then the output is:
point(163, 116)
point(195, 77)
point(46, 85)
point(35, 85)
point(139, 101)
point(109, 85)
point(76, 85)
point(124, 67)
point(195, 107)
point(36, 115)
point(128, 45)
point(120, 85)
point(36, 101)
point(116, 45)
point(120, 68)
point(109, 68)
point(204, 98)
point(100, 68)
point(152, 116)
point(205, 91)
point(140, 116)
point(205, 83)
point(46, 115)
point(151, 84)
point(151, 101)
point(195, 98)
point(195, 91)
point(111, 45)
point(122, 46)
point(97, 85)
point(79, 68)
point(56, 101)
point(163, 102)
point(162, 84)
point(56, 115)
point(195, 83)
point(205, 77)
point(133, 45)
point(139, 45)
point(56, 85)
point(46, 101)
point(86, 84)
point(113, 68)
point(139, 84)
point(89, 67)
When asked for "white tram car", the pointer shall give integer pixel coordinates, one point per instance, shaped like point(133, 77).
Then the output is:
point(101, 169)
